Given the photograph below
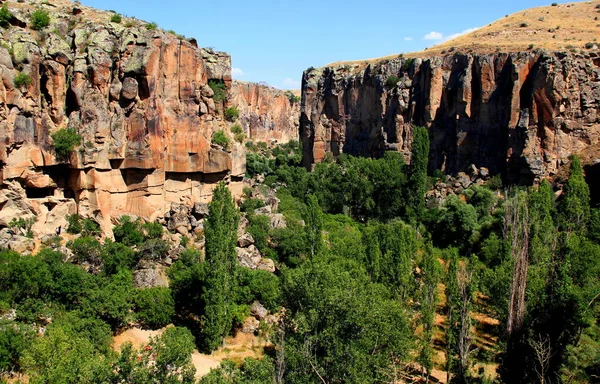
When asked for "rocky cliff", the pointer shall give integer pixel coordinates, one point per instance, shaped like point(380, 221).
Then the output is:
point(519, 114)
point(266, 113)
point(139, 98)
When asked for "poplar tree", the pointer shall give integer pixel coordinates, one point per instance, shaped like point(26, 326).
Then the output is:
point(417, 182)
point(220, 255)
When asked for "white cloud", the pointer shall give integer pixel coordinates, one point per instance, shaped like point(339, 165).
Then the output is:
point(408, 38)
point(455, 35)
point(433, 36)
point(291, 83)
point(236, 72)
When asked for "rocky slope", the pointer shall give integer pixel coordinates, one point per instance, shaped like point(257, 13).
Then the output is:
point(266, 113)
point(139, 98)
point(519, 114)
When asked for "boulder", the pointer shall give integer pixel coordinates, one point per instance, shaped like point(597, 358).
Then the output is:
point(245, 240)
point(258, 310)
point(150, 278)
point(250, 326)
point(249, 257)
point(201, 210)
point(21, 244)
point(277, 221)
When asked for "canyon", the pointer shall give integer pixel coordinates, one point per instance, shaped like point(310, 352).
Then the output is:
point(142, 100)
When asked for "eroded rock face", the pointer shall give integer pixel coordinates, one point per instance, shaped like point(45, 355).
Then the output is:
point(139, 99)
point(519, 114)
point(266, 113)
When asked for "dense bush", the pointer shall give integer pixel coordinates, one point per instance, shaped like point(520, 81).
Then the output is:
point(65, 140)
point(22, 80)
point(5, 16)
point(116, 18)
point(220, 138)
point(238, 133)
point(40, 19)
point(392, 81)
point(232, 114)
point(154, 307)
point(218, 88)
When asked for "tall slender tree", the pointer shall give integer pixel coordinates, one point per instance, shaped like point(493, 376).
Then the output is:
point(417, 182)
point(221, 235)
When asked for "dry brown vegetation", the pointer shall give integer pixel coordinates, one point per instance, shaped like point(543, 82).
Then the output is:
point(563, 27)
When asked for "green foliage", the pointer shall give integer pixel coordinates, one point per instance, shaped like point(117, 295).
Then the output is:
point(86, 249)
point(259, 229)
point(232, 114)
point(154, 307)
point(249, 205)
point(392, 81)
point(22, 80)
point(116, 18)
point(238, 133)
point(40, 19)
point(220, 138)
point(417, 179)
point(575, 204)
point(65, 140)
point(219, 89)
point(23, 224)
point(5, 16)
point(14, 340)
point(221, 238)
point(151, 26)
point(252, 371)
point(74, 224)
point(117, 257)
point(128, 232)
point(455, 224)
point(111, 300)
point(292, 98)
point(336, 318)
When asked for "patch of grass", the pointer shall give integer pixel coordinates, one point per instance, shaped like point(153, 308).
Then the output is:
point(22, 79)
point(151, 26)
point(40, 19)
point(238, 133)
point(116, 18)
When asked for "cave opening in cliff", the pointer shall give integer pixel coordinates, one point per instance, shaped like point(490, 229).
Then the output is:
point(39, 193)
point(592, 177)
point(71, 103)
point(59, 174)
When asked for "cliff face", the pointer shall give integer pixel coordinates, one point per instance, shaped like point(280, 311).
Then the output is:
point(266, 113)
point(139, 98)
point(519, 114)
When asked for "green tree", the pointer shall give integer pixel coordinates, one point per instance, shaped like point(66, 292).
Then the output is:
point(40, 19)
point(221, 237)
point(575, 204)
point(431, 272)
point(65, 139)
point(313, 225)
point(5, 17)
point(154, 307)
point(417, 181)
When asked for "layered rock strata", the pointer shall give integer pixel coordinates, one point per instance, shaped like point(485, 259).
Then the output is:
point(139, 98)
point(266, 114)
point(518, 114)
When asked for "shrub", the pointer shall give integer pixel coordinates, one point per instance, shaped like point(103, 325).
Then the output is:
point(249, 205)
point(5, 16)
point(589, 45)
point(392, 81)
point(523, 25)
point(65, 139)
point(128, 232)
point(221, 139)
point(86, 249)
point(530, 46)
point(554, 4)
point(74, 224)
point(116, 18)
point(238, 133)
point(22, 79)
point(232, 114)
point(151, 26)
point(40, 19)
point(218, 87)
point(292, 98)
point(154, 307)
point(24, 224)
point(90, 227)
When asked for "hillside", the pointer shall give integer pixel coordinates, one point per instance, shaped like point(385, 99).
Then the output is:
point(563, 27)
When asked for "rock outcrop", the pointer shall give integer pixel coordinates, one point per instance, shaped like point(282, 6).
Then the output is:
point(139, 98)
point(266, 114)
point(518, 114)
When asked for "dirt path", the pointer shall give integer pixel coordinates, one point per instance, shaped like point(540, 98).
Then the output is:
point(236, 348)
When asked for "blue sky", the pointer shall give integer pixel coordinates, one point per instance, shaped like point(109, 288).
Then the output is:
point(274, 41)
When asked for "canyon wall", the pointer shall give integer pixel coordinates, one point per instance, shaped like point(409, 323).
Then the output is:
point(138, 96)
point(517, 114)
point(266, 113)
